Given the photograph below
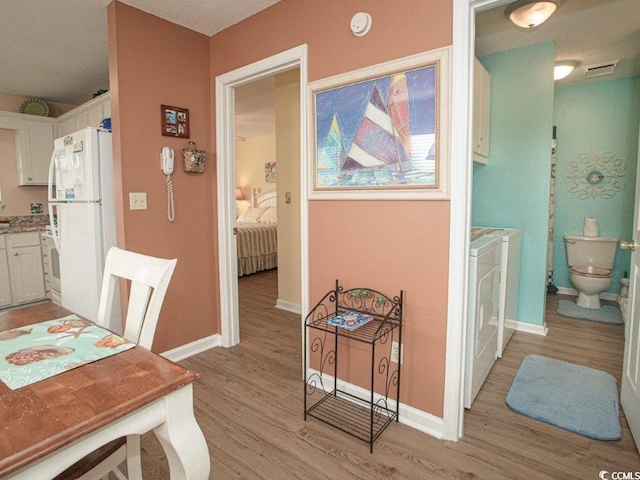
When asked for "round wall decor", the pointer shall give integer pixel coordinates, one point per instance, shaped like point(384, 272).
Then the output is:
point(35, 106)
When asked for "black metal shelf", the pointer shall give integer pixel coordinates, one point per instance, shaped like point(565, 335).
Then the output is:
point(363, 418)
point(352, 415)
point(367, 333)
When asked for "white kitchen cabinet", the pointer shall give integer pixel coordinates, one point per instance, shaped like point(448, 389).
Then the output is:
point(5, 285)
point(34, 136)
point(95, 114)
point(89, 114)
point(36, 147)
point(481, 112)
point(66, 127)
point(33, 145)
point(26, 276)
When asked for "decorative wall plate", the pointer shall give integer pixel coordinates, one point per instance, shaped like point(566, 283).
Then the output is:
point(35, 106)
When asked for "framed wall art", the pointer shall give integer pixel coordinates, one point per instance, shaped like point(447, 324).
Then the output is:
point(382, 132)
point(175, 121)
point(270, 172)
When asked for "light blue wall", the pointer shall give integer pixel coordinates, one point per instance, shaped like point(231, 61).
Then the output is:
point(594, 119)
point(513, 189)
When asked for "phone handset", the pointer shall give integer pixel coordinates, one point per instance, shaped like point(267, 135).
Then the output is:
point(166, 163)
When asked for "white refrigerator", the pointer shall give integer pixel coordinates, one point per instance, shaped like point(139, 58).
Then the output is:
point(83, 220)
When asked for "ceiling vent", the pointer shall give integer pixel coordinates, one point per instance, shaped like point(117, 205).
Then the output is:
point(599, 69)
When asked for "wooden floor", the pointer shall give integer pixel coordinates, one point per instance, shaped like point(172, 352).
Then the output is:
point(248, 402)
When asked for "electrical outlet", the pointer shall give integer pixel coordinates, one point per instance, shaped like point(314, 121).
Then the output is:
point(137, 201)
point(395, 352)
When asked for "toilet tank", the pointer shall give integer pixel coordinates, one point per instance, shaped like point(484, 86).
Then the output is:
point(596, 251)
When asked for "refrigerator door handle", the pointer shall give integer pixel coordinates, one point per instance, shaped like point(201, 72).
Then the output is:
point(55, 234)
point(51, 169)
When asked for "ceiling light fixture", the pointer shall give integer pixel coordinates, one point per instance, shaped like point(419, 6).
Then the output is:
point(562, 69)
point(529, 14)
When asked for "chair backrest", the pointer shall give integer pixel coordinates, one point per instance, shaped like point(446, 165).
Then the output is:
point(150, 278)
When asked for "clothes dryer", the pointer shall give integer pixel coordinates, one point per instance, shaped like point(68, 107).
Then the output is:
point(482, 319)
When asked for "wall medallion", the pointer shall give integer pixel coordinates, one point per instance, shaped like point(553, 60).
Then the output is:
point(593, 176)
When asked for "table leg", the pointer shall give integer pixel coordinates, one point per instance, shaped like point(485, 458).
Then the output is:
point(134, 462)
point(182, 439)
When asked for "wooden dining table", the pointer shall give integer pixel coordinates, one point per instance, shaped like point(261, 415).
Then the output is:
point(49, 425)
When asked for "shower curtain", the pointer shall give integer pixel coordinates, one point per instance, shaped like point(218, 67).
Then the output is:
point(551, 288)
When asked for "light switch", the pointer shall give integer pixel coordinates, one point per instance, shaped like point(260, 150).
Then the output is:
point(137, 200)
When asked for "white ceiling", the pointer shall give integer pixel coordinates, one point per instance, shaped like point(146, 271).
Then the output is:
point(57, 50)
point(205, 16)
point(587, 31)
point(54, 50)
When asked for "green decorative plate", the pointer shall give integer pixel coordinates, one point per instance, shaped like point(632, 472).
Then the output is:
point(35, 106)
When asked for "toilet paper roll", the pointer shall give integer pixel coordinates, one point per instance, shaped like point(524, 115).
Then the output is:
point(590, 227)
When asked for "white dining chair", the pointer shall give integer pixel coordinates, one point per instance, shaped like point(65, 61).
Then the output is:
point(149, 278)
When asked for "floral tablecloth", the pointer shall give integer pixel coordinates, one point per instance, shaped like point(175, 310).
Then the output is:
point(39, 351)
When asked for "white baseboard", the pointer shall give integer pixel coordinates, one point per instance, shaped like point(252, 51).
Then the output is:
point(289, 307)
point(527, 327)
point(193, 348)
point(572, 291)
point(410, 416)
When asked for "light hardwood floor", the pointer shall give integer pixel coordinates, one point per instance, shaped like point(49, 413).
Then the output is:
point(248, 402)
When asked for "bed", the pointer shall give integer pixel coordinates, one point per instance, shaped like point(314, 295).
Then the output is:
point(257, 234)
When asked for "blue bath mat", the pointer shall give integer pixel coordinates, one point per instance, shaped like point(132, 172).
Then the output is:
point(579, 399)
point(604, 314)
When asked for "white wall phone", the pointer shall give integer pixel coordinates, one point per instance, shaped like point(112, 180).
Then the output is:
point(166, 164)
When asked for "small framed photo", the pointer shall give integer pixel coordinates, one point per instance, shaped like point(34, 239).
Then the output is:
point(175, 121)
point(270, 172)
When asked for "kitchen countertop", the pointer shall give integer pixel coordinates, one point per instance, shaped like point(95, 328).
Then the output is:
point(21, 229)
point(26, 223)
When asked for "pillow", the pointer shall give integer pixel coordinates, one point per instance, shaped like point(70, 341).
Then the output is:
point(270, 216)
point(252, 214)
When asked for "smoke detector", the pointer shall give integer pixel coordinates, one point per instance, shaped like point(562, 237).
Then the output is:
point(361, 24)
point(600, 69)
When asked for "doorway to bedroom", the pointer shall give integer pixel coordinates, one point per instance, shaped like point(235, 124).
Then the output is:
point(267, 192)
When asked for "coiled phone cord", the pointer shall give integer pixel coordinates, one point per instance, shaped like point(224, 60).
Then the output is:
point(171, 214)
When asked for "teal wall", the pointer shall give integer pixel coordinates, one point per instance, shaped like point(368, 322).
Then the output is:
point(512, 190)
point(593, 119)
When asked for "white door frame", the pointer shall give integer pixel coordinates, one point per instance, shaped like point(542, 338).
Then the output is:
point(629, 392)
point(226, 183)
point(461, 175)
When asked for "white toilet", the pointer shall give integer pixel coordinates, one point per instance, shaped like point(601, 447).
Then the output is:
point(591, 260)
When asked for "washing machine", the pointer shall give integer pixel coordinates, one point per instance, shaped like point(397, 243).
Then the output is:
point(482, 319)
point(509, 282)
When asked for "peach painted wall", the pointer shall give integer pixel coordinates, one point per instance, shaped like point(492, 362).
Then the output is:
point(399, 244)
point(154, 62)
point(11, 103)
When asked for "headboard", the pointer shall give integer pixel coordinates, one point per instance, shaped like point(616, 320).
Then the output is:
point(267, 198)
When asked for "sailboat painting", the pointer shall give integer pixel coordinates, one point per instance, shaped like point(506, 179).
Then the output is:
point(380, 133)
